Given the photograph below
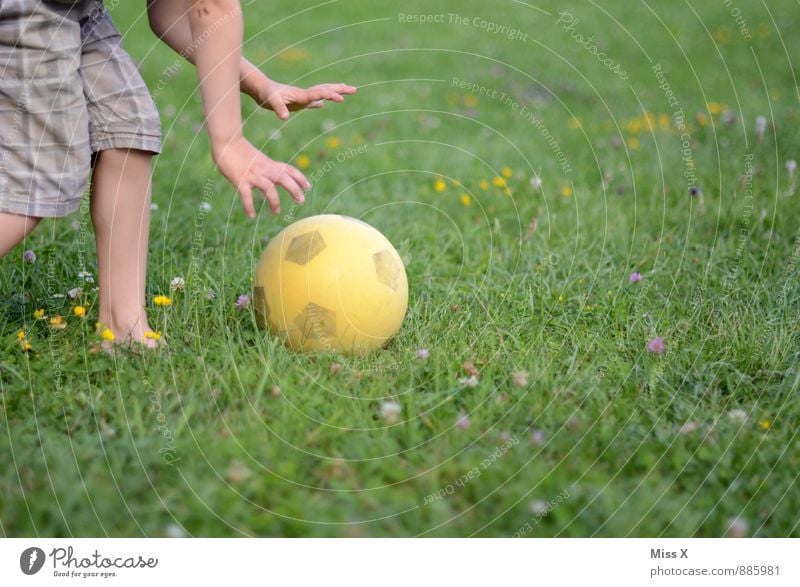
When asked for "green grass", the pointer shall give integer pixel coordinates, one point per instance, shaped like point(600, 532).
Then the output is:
point(192, 437)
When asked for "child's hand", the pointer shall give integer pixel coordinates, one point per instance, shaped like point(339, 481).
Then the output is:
point(283, 99)
point(247, 168)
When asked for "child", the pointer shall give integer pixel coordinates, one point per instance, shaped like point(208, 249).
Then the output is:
point(72, 100)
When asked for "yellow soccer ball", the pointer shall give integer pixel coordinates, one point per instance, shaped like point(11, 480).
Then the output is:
point(331, 283)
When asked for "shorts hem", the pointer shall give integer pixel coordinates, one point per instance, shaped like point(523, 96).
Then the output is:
point(126, 141)
point(23, 207)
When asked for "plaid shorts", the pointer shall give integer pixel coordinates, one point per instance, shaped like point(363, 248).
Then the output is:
point(67, 91)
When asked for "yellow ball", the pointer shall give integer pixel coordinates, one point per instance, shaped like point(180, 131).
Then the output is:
point(331, 283)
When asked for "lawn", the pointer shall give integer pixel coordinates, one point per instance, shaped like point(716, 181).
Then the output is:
point(602, 246)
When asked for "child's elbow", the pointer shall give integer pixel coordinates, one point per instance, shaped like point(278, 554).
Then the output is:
point(212, 8)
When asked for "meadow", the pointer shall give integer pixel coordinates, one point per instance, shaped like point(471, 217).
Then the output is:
point(597, 209)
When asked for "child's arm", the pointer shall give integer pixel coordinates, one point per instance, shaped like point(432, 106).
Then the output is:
point(216, 28)
point(169, 20)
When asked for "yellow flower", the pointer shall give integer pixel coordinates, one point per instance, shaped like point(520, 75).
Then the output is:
point(152, 335)
point(499, 182)
point(466, 199)
point(765, 424)
point(21, 335)
point(107, 334)
point(79, 311)
point(26, 346)
point(634, 144)
point(663, 121)
point(58, 322)
point(483, 184)
point(715, 108)
point(575, 123)
point(506, 171)
point(439, 185)
point(634, 126)
point(702, 119)
point(39, 314)
point(162, 301)
point(566, 191)
point(333, 142)
point(470, 101)
point(303, 161)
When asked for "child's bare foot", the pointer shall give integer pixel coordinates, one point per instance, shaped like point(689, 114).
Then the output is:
point(128, 330)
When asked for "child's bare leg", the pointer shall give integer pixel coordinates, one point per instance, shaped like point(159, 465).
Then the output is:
point(13, 229)
point(120, 206)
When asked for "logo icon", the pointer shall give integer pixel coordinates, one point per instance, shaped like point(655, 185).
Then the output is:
point(31, 560)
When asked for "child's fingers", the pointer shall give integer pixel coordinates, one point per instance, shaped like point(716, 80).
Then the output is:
point(271, 194)
point(279, 107)
point(246, 194)
point(288, 183)
point(298, 176)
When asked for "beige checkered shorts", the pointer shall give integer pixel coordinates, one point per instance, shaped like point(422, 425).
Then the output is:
point(67, 91)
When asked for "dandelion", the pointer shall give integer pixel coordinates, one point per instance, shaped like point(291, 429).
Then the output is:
point(536, 182)
point(737, 528)
point(715, 108)
point(499, 182)
point(634, 144)
point(333, 142)
point(765, 424)
point(635, 277)
point(520, 378)
point(162, 300)
point(470, 101)
point(39, 314)
point(79, 311)
point(21, 335)
point(75, 292)
point(702, 118)
point(25, 345)
point(242, 301)
point(462, 421)
point(152, 335)
point(303, 161)
point(177, 284)
point(761, 127)
point(423, 354)
point(466, 200)
point(566, 191)
point(483, 184)
point(656, 346)
point(506, 172)
point(390, 412)
point(439, 185)
point(107, 334)
point(29, 256)
point(58, 322)
point(575, 123)
point(791, 166)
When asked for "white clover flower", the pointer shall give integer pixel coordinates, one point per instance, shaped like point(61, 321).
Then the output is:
point(390, 411)
point(205, 207)
point(177, 284)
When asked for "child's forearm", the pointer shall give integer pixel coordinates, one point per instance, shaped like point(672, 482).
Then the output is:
point(217, 30)
point(169, 20)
